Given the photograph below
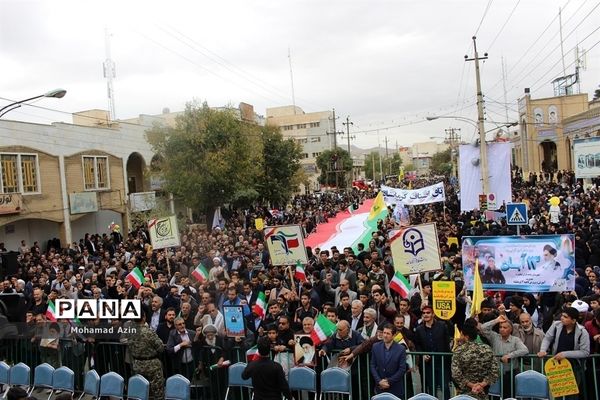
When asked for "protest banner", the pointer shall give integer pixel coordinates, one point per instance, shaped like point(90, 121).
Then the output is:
point(444, 299)
point(561, 378)
point(164, 232)
point(544, 263)
point(286, 244)
point(425, 195)
point(415, 249)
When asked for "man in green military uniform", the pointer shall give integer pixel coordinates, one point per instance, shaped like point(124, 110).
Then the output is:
point(474, 367)
point(144, 346)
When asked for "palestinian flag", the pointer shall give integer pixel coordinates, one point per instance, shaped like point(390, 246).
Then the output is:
point(252, 354)
point(400, 285)
point(200, 273)
point(51, 311)
point(260, 308)
point(322, 330)
point(136, 277)
point(299, 273)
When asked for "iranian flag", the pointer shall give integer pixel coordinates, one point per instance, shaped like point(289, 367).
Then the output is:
point(200, 273)
point(260, 308)
point(400, 285)
point(51, 311)
point(252, 354)
point(299, 273)
point(136, 277)
point(322, 330)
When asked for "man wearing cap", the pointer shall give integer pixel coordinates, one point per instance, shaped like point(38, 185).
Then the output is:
point(268, 379)
point(568, 340)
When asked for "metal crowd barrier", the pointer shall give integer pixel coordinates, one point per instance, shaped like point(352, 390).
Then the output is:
point(432, 377)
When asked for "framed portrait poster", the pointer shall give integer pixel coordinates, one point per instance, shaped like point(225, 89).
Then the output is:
point(234, 321)
point(304, 350)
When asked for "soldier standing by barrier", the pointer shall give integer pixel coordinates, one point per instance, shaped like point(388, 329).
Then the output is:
point(144, 346)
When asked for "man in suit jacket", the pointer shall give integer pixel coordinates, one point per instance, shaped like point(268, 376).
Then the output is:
point(343, 288)
point(388, 364)
point(180, 344)
point(346, 273)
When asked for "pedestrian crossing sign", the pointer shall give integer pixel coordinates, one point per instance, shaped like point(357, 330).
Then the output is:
point(516, 214)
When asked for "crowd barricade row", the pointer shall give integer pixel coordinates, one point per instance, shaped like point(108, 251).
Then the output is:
point(211, 383)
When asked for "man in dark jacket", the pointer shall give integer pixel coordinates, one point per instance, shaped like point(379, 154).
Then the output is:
point(432, 336)
point(268, 379)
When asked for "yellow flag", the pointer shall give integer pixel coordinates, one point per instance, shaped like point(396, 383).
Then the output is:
point(401, 174)
point(259, 223)
point(478, 295)
point(378, 207)
point(456, 337)
point(409, 185)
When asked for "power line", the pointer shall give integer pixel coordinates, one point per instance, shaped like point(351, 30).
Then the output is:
point(487, 8)
point(527, 52)
point(504, 25)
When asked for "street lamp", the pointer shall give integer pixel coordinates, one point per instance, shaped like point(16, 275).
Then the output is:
point(482, 141)
point(56, 93)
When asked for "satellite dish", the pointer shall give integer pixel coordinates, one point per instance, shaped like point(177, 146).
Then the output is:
point(475, 162)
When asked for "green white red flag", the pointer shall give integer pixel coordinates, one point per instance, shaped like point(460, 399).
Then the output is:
point(260, 308)
point(252, 354)
point(299, 272)
point(51, 311)
point(400, 285)
point(322, 330)
point(136, 277)
point(200, 273)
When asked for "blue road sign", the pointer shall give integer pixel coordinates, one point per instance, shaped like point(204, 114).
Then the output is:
point(516, 214)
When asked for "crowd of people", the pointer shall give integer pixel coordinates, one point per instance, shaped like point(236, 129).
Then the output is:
point(184, 316)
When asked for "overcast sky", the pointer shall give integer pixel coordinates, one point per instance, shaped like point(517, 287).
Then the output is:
point(386, 64)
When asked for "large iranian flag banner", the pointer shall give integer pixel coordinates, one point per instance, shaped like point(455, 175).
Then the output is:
point(349, 229)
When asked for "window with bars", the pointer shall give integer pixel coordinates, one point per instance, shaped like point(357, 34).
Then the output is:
point(95, 172)
point(19, 173)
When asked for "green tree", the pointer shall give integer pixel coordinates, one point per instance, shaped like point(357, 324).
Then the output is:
point(281, 166)
point(330, 161)
point(209, 158)
point(597, 94)
point(440, 163)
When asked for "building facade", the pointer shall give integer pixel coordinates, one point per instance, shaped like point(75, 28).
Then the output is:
point(542, 143)
point(66, 180)
point(307, 129)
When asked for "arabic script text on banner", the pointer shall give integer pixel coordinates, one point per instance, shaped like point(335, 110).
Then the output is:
point(544, 263)
point(426, 195)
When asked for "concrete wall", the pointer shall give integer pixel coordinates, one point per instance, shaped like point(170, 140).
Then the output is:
point(30, 230)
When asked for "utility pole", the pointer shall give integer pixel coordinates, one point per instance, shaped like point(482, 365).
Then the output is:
point(347, 124)
point(335, 132)
point(453, 139)
point(387, 156)
point(480, 119)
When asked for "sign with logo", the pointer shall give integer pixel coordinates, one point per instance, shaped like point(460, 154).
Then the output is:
point(164, 232)
point(444, 299)
point(415, 249)
point(482, 202)
point(516, 214)
point(233, 317)
point(537, 263)
point(286, 244)
point(492, 202)
point(561, 378)
point(10, 203)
